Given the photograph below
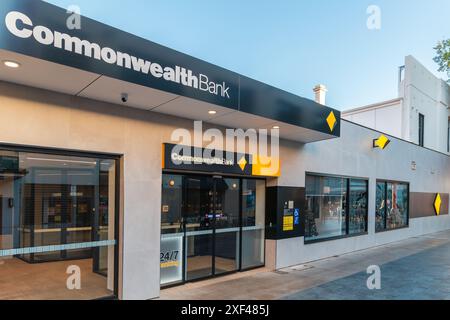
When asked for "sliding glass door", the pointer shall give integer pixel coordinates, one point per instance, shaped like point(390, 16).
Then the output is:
point(212, 225)
point(202, 226)
point(227, 226)
point(198, 214)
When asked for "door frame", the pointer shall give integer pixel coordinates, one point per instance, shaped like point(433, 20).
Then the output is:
point(240, 244)
point(216, 179)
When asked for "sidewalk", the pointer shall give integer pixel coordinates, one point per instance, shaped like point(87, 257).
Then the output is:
point(417, 268)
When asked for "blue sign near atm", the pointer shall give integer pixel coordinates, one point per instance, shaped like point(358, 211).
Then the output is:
point(296, 217)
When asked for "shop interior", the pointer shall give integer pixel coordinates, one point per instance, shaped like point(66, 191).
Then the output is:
point(56, 213)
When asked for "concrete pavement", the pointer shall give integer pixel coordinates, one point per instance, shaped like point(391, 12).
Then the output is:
point(417, 268)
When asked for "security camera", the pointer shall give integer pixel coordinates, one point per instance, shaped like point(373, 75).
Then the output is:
point(124, 97)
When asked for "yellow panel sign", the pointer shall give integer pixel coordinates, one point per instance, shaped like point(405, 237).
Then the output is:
point(188, 158)
point(264, 166)
point(288, 223)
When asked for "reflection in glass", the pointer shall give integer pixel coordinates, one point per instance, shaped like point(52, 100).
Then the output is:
point(171, 221)
point(392, 205)
point(202, 227)
point(397, 214)
point(64, 202)
point(325, 207)
point(358, 206)
point(172, 230)
point(380, 217)
point(253, 222)
point(328, 215)
point(198, 215)
point(227, 225)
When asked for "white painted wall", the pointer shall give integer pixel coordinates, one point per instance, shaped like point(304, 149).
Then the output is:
point(428, 95)
point(352, 155)
point(420, 92)
point(386, 117)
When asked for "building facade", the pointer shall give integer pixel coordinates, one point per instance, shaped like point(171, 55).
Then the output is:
point(108, 190)
point(420, 114)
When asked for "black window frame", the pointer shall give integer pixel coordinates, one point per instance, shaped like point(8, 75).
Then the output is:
point(448, 135)
point(347, 208)
point(386, 182)
point(421, 130)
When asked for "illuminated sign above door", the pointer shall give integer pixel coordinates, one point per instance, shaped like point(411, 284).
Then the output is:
point(186, 158)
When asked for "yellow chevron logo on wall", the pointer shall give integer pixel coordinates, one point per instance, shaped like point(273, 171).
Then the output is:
point(382, 142)
point(438, 204)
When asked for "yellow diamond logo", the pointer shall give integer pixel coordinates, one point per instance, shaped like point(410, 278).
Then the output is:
point(242, 163)
point(332, 121)
point(437, 204)
point(381, 142)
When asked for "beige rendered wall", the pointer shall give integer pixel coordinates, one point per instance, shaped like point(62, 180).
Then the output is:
point(42, 118)
point(36, 117)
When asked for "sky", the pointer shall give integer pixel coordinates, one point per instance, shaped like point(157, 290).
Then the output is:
point(291, 44)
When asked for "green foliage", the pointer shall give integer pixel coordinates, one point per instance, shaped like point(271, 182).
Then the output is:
point(443, 56)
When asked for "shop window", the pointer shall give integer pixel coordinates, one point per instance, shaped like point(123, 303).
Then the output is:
point(253, 223)
point(392, 205)
point(448, 135)
point(335, 207)
point(172, 230)
point(58, 215)
point(358, 206)
point(380, 209)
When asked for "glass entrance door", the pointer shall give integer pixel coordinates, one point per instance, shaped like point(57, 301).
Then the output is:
point(198, 216)
point(207, 224)
point(227, 226)
point(212, 224)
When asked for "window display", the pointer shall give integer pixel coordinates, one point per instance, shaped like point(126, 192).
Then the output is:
point(392, 205)
point(335, 207)
point(358, 209)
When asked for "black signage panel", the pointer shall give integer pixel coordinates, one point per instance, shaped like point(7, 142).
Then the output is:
point(177, 157)
point(39, 29)
point(269, 102)
point(285, 212)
